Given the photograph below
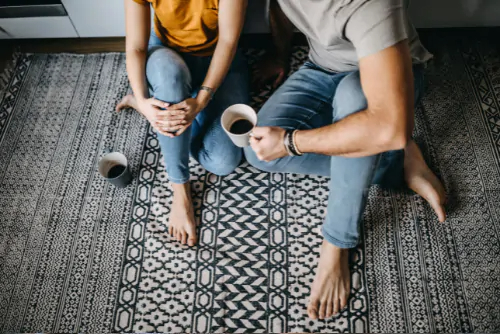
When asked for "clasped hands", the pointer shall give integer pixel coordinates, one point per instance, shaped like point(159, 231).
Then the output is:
point(170, 120)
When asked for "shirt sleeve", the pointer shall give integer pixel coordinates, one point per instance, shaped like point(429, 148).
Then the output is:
point(142, 2)
point(376, 25)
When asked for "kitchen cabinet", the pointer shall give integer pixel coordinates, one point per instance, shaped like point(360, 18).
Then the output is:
point(37, 27)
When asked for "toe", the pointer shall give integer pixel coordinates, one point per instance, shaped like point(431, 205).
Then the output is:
point(343, 302)
point(322, 309)
point(178, 235)
point(184, 237)
point(192, 237)
point(441, 213)
point(312, 309)
point(329, 309)
point(171, 230)
point(336, 308)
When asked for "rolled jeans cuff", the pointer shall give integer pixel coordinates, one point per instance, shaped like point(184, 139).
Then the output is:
point(336, 242)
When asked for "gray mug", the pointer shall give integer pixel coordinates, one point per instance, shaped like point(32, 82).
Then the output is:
point(113, 167)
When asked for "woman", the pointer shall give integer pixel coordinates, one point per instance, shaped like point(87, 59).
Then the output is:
point(190, 72)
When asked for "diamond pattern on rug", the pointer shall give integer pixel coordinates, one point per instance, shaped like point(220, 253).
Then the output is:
point(78, 255)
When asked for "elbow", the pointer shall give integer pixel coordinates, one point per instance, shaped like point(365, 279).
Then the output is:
point(394, 137)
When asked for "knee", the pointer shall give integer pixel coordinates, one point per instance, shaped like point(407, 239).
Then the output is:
point(220, 163)
point(349, 97)
point(168, 75)
point(252, 159)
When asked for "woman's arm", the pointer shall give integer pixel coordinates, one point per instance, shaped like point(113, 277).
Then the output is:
point(138, 25)
point(231, 19)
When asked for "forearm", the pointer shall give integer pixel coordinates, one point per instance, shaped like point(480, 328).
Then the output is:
point(136, 69)
point(281, 32)
point(219, 67)
point(358, 135)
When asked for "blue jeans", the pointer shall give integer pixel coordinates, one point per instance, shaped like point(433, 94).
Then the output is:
point(173, 77)
point(313, 98)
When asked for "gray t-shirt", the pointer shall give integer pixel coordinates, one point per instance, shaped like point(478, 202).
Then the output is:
point(340, 32)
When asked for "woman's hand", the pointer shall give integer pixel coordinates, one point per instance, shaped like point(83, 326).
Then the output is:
point(178, 117)
point(151, 109)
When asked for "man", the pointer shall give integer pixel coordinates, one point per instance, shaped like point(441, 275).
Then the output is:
point(348, 113)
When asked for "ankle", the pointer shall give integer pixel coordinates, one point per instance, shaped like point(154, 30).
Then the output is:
point(181, 189)
point(333, 251)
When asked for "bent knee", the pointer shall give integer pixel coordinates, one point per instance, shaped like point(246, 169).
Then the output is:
point(168, 75)
point(222, 164)
point(349, 97)
point(266, 166)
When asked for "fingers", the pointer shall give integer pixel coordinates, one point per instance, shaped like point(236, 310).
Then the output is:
point(158, 103)
point(169, 124)
point(171, 129)
point(260, 131)
point(182, 129)
point(172, 114)
point(179, 106)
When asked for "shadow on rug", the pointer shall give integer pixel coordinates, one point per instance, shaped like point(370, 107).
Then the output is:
point(78, 255)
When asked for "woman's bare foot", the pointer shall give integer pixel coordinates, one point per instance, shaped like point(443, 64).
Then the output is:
point(127, 101)
point(422, 180)
point(332, 284)
point(182, 225)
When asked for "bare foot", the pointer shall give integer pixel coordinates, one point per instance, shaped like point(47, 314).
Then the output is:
point(422, 180)
point(182, 225)
point(127, 101)
point(332, 284)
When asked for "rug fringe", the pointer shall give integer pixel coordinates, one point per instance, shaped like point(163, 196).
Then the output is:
point(6, 75)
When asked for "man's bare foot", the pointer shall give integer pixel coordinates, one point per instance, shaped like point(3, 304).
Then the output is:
point(182, 225)
point(332, 284)
point(422, 180)
point(128, 101)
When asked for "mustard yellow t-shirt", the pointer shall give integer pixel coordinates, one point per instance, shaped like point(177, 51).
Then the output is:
point(189, 26)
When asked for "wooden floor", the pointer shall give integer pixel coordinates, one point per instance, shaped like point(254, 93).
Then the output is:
point(72, 45)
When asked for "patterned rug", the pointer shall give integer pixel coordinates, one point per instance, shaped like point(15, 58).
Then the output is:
point(78, 255)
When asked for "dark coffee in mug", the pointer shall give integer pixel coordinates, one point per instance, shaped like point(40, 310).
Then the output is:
point(115, 171)
point(241, 126)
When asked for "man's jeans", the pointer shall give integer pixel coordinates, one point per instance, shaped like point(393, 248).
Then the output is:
point(174, 77)
point(313, 98)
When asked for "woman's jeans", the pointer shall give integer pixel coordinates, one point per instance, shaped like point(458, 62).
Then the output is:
point(313, 98)
point(174, 77)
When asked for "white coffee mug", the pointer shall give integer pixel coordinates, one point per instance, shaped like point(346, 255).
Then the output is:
point(235, 113)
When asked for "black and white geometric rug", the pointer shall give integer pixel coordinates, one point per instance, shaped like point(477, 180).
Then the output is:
point(78, 255)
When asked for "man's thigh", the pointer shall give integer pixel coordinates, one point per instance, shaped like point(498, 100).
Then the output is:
point(304, 101)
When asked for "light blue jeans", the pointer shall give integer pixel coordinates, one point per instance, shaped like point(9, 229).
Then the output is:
point(173, 77)
point(313, 98)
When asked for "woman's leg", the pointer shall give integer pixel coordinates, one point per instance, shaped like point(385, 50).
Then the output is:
point(211, 146)
point(169, 80)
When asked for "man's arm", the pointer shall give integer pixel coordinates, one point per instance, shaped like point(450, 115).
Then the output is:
point(387, 123)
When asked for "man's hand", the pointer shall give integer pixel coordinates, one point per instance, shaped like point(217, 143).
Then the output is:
point(269, 70)
point(267, 143)
point(178, 117)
